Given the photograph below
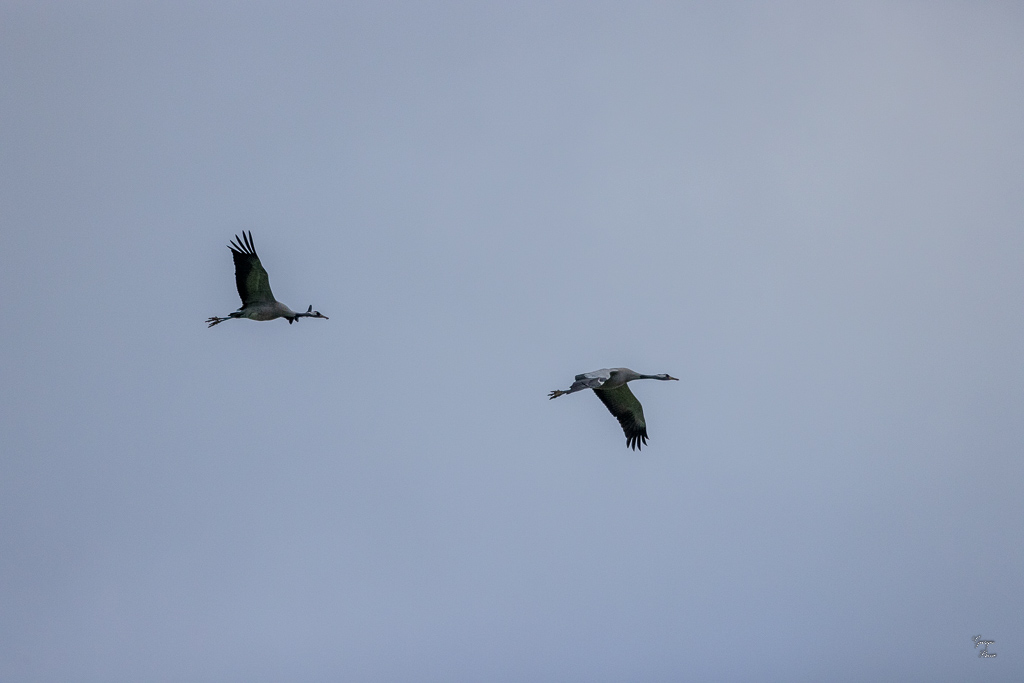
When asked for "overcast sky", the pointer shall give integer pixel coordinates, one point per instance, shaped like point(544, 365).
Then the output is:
point(809, 213)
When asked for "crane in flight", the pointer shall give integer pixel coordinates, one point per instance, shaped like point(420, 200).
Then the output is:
point(258, 302)
point(610, 386)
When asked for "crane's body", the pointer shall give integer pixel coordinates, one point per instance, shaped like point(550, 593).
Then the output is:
point(253, 284)
point(610, 385)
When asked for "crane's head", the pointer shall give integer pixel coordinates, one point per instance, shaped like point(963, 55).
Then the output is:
point(310, 313)
point(664, 376)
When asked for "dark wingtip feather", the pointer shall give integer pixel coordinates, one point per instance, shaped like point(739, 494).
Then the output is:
point(243, 244)
point(637, 441)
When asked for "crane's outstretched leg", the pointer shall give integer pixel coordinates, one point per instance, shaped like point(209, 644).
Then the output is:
point(582, 382)
point(215, 320)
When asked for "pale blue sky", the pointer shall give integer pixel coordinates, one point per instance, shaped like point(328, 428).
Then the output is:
point(811, 215)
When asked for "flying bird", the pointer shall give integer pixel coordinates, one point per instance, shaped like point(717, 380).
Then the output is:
point(610, 386)
point(258, 302)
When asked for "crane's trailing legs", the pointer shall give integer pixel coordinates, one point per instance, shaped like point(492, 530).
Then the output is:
point(214, 320)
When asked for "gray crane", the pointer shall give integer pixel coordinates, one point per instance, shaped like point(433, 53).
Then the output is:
point(258, 302)
point(610, 386)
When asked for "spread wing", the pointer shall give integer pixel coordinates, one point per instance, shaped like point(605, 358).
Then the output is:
point(591, 380)
point(250, 277)
point(621, 402)
point(602, 376)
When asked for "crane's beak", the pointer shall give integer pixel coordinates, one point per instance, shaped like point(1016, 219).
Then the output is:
point(675, 378)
